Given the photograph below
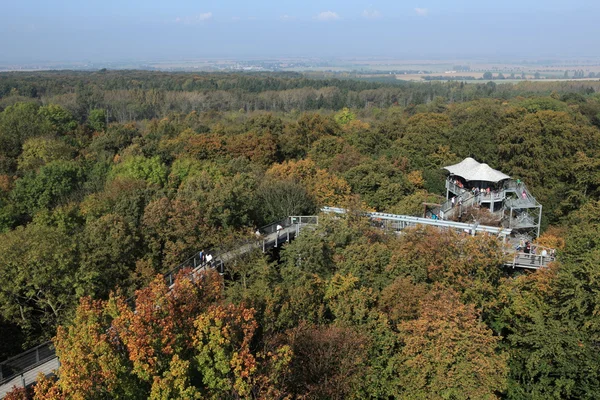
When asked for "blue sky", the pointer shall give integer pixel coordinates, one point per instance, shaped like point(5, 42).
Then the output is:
point(111, 30)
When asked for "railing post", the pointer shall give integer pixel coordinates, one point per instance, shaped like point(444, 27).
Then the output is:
point(37, 355)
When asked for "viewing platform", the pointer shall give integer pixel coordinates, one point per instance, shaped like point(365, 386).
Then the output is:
point(471, 184)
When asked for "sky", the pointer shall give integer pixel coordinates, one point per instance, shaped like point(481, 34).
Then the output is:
point(155, 30)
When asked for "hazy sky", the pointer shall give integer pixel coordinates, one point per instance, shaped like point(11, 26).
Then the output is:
point(113, 30)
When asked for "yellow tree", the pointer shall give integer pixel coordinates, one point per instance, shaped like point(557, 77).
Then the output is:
point(448, 353)
point(327, 189)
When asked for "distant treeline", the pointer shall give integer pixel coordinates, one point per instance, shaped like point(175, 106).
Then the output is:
point(137, 95)
point(449, 78)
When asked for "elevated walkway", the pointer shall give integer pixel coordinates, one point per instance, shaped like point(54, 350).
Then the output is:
point(23, 369)
point(399, 222)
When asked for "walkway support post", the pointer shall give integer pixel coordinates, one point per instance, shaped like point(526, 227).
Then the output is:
point(539, 221)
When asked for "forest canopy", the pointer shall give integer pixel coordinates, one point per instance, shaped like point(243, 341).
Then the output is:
point(110, 179)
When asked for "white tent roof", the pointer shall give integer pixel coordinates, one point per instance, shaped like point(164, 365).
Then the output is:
point(472, 170)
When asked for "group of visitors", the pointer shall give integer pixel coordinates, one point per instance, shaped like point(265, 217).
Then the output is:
point(459, 183)
point(259, 235)
point(530, 248)
point(205, 259)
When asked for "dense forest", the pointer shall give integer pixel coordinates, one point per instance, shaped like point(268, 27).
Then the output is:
point(109, 179)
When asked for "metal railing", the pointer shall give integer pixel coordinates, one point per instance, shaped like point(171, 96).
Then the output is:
point(29, 376)
point(492, 196)
point(403, 221)
point(454, 188)
point(531, 261)
point(29, 358)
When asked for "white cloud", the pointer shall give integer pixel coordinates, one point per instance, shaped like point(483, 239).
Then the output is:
point(371, 14)
point(421, 11)
point(327, 16)
point(286, 17)
point(195, 18)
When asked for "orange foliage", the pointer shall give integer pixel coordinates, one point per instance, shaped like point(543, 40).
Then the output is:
point(356, 125)
point(470, 264)
point(260, 149)
point(449, 353)
point(553, 238)
point(6, 183)
point(17, 393)
point(416, 178)
point(46, 388)
point(89, 363)
point(204, 146)
point(163, 320)
point(327, 189)
point(189, 143)
point(401, 299)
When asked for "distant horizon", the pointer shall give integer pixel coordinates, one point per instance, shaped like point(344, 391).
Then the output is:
point(111, 31)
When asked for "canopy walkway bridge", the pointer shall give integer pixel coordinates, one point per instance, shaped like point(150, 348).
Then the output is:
point(23, 369)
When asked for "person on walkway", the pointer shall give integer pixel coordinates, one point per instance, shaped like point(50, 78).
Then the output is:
point(453, 201)
point(258, 236)
point(544, 255)
point(524, 195)
point(527, 247)
point(279, 229)
point(209, 259)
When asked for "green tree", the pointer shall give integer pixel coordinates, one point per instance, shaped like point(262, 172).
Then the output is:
point(50, 186)
point(552, 352)
point(97, 120)
point(61, 120)
point(344, 117)
point(277, 199)
point(108, 252)
point(541, 148)
point(152, 170)
point(40, 262)
point(39, 151)
point(18, 123)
